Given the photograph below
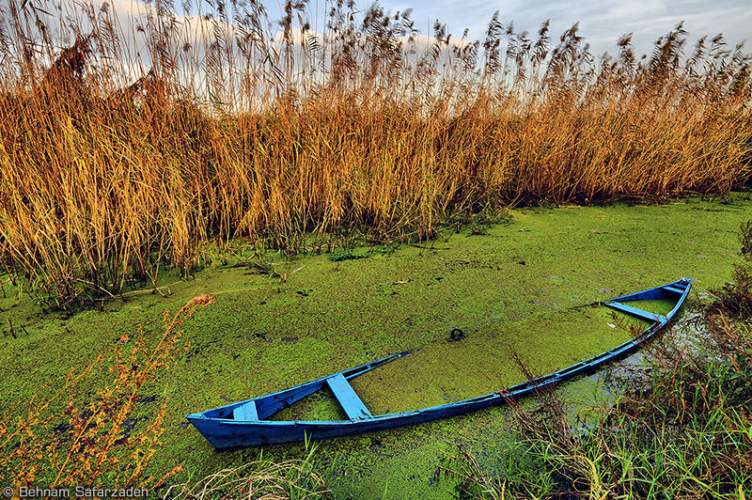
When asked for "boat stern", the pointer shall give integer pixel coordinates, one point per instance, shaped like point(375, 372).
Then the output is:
point(208, 428)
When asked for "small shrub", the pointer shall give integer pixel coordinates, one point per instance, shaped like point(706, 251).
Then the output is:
point(73, 438)
point(735, 298)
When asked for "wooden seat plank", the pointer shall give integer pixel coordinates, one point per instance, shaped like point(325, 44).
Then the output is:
point(634, 311)
point(246, 411)
point(348, 398)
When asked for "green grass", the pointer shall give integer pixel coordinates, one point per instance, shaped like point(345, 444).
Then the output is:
point(518, 286)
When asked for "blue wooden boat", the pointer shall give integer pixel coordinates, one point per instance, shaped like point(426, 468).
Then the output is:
point(247, 423)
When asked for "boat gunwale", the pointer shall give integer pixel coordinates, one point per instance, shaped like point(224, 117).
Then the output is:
point(522, 389)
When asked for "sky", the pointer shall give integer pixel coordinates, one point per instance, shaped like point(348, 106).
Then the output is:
point(601, 22)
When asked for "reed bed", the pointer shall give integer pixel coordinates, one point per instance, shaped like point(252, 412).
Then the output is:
point(115, 163)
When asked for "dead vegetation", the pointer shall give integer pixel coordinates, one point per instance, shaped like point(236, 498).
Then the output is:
point(258, 479)
point(113, 166)
point(80, 435)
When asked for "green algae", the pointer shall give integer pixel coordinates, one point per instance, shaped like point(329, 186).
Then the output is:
point(518, 290)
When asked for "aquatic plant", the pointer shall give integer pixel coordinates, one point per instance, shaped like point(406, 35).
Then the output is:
point(80, 435)
point(114, 164)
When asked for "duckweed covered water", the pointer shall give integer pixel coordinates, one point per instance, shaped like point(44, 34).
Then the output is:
point(521, 290)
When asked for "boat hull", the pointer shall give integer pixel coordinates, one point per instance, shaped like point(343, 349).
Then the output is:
point(228, 427)
point(230, 435)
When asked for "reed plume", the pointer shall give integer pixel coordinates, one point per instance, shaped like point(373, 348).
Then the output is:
point(114, 163)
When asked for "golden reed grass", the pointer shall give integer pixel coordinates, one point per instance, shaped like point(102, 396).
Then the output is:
point(234, 130)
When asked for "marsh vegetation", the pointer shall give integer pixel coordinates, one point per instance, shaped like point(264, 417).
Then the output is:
point(685, 433)
point(114, 164)
point(511, 290)
point(443, 177)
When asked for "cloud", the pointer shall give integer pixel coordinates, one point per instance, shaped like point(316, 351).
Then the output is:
point(601, 22)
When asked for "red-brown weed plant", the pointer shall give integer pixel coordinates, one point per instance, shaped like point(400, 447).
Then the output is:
point(73, 439)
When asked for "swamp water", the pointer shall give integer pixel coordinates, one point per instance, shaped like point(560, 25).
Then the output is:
point(519, 290)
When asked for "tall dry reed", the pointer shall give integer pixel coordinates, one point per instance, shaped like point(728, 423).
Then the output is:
point(113, 163)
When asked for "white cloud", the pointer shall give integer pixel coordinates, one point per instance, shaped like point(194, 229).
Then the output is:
point(601, 22)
